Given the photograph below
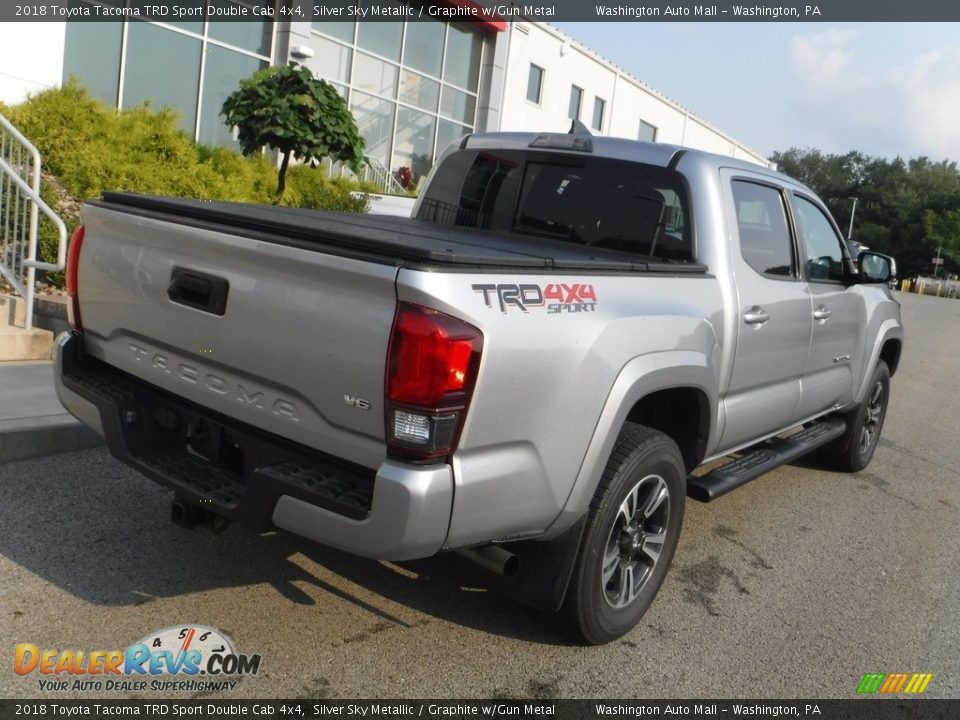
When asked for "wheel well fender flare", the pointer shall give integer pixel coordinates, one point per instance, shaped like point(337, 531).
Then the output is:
point(642, 376)
point(889, 330)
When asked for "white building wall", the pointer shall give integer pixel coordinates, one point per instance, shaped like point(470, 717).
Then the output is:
point(31, 58)
point(635, 103)
point(567, 63)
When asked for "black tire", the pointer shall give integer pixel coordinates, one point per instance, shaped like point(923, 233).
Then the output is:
point(853, 450)
point(626, 547)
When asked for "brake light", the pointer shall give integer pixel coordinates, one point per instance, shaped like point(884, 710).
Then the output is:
point(73, 261)
point(432, 366)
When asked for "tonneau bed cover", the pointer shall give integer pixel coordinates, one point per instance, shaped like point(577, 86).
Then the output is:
point(391, 240)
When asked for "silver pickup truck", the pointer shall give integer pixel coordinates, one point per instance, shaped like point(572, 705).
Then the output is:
point(532, 370)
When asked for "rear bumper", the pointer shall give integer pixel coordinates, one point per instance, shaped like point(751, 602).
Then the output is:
point(398, 512)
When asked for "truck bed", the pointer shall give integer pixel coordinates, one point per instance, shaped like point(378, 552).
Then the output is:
point(404, 242)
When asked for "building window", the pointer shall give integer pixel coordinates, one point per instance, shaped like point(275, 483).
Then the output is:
point(417, 90)
point(255, 36)
point(576, 100)
point(374, 117)
point(461, 66)
point(375, 76)
point(223, 71)
point(190, 66)
point(411, 86)
point(457, 105)
point(648, 132)
point(382, 38)
point(423, 47)
point(598, 107)
point(413, 144)
point(535, 84)
point(162, 68)
point(331, 59)
point(339, 30)
point(92, 55)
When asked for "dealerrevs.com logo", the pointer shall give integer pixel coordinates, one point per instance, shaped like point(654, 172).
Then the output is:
point(184, 657)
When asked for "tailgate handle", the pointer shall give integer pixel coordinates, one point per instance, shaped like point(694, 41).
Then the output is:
point(199, 290)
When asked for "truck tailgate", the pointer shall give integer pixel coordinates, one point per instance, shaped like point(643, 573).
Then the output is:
point(287, 339)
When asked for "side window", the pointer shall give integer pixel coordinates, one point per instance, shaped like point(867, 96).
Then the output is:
point(764, 236)
point(824, 254)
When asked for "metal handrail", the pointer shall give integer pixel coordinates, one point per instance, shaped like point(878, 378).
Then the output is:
point(20, 200)
point(383, 178)
point(373, 171)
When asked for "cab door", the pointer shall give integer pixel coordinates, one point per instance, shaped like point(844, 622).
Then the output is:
point(836, 347)
point(773, 315)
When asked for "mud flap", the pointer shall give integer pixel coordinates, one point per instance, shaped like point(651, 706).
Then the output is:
point(545, 569)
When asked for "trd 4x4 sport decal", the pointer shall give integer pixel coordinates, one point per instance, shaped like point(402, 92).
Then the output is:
point(556, 297)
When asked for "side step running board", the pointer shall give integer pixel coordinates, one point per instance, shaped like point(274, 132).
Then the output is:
point(769, 455)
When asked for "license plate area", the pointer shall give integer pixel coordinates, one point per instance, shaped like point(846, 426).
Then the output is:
point(216, 444)
point(232, 469)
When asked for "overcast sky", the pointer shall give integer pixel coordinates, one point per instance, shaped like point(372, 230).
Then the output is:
point(884, 89)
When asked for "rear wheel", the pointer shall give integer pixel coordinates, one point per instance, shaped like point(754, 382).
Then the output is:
point(854, 449)
point(629, 539)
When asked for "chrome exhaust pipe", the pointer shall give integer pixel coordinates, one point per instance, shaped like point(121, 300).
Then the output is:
point(493, 558)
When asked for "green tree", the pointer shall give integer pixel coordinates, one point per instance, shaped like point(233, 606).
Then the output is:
point(943, 231)
point(288, 109)
point(906, 208)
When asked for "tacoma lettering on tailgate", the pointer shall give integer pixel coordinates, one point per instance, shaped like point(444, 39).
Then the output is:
point(192, 375)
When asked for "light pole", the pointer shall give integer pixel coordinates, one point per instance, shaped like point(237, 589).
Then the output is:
point(852, 213)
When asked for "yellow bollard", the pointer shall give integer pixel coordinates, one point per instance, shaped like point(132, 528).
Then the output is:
point(905, 285)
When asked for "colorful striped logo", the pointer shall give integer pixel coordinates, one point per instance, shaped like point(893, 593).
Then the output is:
point(891, 683)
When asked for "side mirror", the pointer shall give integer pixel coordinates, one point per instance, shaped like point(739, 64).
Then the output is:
point(876, 267)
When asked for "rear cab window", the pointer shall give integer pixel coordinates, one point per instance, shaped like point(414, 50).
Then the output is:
point(604, 203)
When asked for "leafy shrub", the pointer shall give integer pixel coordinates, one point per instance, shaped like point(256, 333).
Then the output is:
point(286, 108)
point(312, 189)
point(89, 148)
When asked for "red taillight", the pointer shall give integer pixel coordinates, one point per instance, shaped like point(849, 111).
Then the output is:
point(432, 366)
point(73, 261)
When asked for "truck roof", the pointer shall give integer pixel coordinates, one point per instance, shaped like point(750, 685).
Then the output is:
point(652, 153)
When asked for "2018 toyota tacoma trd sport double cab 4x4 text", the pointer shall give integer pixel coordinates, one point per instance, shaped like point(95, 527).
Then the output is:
point(528, 371)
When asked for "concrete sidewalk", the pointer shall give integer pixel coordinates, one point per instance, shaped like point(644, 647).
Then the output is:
point(32, 420)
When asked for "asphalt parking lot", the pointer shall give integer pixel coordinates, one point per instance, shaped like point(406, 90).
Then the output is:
point(794, 586)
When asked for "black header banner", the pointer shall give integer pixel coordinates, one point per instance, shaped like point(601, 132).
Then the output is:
point(484, 11)
point(853, 709)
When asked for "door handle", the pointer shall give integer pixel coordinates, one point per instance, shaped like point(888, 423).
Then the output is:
point(756, 316)
point(821, 313)
point(198, 290)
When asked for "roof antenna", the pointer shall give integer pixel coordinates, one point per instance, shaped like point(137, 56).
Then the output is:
point(578, 128)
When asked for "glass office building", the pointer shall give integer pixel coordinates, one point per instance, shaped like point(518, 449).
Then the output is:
point(190, 65)
point(412, 86)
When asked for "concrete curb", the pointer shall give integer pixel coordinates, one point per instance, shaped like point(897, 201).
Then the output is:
point(33, 423)
point(41, 436)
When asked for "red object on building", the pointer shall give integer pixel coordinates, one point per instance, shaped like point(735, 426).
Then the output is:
point(486, 25)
